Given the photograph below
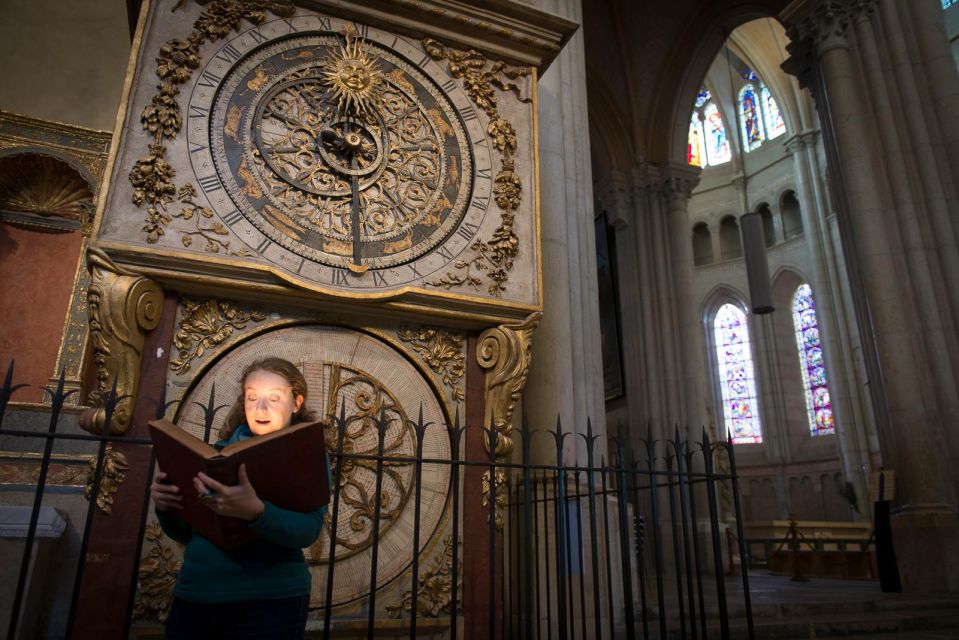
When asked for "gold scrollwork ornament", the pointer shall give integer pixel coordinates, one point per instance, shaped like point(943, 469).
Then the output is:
point(505, 351)
point(123, 306)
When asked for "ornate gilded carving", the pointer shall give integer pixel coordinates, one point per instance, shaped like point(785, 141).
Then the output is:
point(66, 470)
point(494, 256)
point(112, 476)
point(205, 325)
point(46, 190)
point(506, 351)
point(152, 176)
point(156, 577)
point(366, 400)
point(442, 350)
point(123, 306)
point(434, 588)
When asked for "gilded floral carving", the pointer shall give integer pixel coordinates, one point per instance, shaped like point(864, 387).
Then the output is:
point(156, 577)
point(152, 176)
point(434, 588)
point(112, 475)
point(442, 351)
point(205, 325)
point(494, 256)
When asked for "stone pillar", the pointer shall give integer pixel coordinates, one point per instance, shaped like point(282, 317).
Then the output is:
point(566, 375)
point(896, 265)
point(680, 180)
point(853, 447)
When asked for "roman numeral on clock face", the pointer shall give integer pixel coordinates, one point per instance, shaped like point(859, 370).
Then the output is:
point(229, 54)
point(233, 217)
point(379, 279)
point(263, 246)
point(467, 230)
point(209, 184)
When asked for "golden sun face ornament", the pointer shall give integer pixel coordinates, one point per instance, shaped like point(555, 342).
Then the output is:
point(354, 77)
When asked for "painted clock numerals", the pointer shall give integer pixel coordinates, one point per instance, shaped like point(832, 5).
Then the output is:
point(336, 153)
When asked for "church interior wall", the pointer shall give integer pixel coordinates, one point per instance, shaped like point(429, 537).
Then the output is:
point(64, 61)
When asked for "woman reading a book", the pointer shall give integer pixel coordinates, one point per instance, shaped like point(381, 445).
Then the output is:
point(261, 589)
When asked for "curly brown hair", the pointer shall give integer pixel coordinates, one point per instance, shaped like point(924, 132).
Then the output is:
point(283, 368)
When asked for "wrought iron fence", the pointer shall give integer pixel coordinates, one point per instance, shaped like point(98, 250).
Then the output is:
point(625, 548)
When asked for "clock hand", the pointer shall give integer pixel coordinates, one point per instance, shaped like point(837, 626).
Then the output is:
point(357, 266)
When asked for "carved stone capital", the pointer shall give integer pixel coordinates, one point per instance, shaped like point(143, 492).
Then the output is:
point(505, 351)
point(822, 24)
point(795, 144)
point(862, 10)
point(678, 183)
point(615, 198)
point(123, 306)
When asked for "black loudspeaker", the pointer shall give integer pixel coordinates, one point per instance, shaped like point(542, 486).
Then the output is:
point(757, 269)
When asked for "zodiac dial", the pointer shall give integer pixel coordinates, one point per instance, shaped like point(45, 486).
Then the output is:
point(334, 154)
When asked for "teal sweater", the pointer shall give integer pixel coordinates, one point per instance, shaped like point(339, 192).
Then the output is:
point(269, 567)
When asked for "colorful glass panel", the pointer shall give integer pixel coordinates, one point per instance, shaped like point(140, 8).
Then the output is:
point(748, 74)
point(750, 118)
point(774, 118)
point(696, 144)
point(717, 143)
point(818, 402)
point(948, 3)
point(702, 97)
point(736, 380)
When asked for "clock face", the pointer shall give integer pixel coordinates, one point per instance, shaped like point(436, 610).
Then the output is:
point(341, 154)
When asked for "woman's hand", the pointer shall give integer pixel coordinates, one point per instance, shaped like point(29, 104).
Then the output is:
point(165, 496)
point(238, 501)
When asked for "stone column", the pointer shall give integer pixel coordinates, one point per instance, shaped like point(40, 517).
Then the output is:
point(908, 331)
point(853, 449)
point(566, 375)
point(679, 182)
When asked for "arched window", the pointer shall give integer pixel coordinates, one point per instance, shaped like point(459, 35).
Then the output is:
point(769, 228)
point(707, 143)
point(818, 403)
point(734, 362)
point(717, 143)
point(702, 244)
point(792, 216)
point(750, 117)
point(775, 126)
point(696, 144)
point(730, 245)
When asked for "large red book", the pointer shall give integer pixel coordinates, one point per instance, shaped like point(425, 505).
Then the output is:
point(286, 467)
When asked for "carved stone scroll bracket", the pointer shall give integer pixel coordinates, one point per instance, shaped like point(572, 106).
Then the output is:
point(505, 351)
point(123, 306)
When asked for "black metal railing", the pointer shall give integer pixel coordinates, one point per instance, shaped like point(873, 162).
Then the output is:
point(622, 547)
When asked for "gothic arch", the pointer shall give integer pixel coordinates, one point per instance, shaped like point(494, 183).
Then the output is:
point(690, 59)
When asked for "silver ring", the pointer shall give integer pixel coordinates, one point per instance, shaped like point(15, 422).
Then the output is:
point(208, 498)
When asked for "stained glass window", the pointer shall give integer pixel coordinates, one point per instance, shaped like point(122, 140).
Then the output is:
point(702, 97)
point(696, 145)
point(750, 118)
point(948, 3)
point(748, 74)
point(774, 119)
point(717, 143)
point(818, 403)
point(738, 384)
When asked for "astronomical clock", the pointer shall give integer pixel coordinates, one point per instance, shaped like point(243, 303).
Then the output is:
point(352, 187)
